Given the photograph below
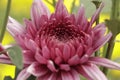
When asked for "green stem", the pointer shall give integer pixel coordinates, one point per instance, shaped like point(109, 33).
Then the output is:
point(97, 4)
point(111, 43)
point(73, 5)
point(49, 2)
point(54, 3)
point(5, 21)
point(115, 9)
point(109, 52)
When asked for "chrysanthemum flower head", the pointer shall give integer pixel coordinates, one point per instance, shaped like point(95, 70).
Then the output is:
point(59, 46)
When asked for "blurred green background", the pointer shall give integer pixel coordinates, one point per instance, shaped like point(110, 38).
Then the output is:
point(20, 9)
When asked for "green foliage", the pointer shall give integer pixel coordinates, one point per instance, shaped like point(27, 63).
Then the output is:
point(113, 25)
point(90, 8)
point(8, 78)
point(31, 78)
point(15, 55)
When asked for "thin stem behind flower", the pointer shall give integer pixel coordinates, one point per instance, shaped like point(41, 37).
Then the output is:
point(73, 5)
point(114, 15)
point(97, 4)
point(5, 21)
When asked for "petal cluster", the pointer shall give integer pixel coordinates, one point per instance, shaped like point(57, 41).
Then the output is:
point(59, 46)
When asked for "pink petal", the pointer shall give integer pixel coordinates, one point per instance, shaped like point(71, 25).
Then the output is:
point(101, 25)
point(96, 14)
point(79, 50)
point(81, 19)
point(72, 50)
point(88, 40)
point(74, 60)
point(99, 31)
point(40, 58)
point(20, 39)
point(45, 77)
point(53, 76)
point(104, 62)
point(14, 27)
point(4, 59)
point(58, 60)
point(28, 57)
point(30, 44)
point(83, 73)
point(31, 29)
point(75, 75)
point(58, 52)
point(81, 14)
point(60, 10)
point(94, 72)
point(46, 52)
point(37, 70)
point(38, 9)
point(23, 75)
point(84, 58)
point(66, 76)
point(101, 42)
point(65, 67)
point(51, 66)
point(66, 52)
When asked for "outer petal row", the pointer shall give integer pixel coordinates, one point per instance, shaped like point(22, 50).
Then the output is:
point(104, 62)
point(38, 9)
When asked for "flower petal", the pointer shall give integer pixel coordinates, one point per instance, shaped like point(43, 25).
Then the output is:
point(96, 14)
point(53, 76)
point(75, 74)
point(94, 72)
point(74, 60)
point(31, 29)
point(40, 58)
point(99, 31)
point(66, 52)
point(51, 66)
point(65, 67)
point(31, 44)
point(38, 10)
point(101, 42)
point(14, 27)
point(81, 14)
point(23, 75)
point(66, 76)
point(4, 59)
point(83, 73)
point(37, 70)
point(28, 57)
point(46, 52)
point(81, 20)
point(60, 10)
point(104, 62)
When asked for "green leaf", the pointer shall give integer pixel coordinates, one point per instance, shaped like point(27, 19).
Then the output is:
point(113, 25)
point(8, 78)
point(15, 55)
point(107, 7)
point(89, 7)
point(32, 78)
point(17, 71)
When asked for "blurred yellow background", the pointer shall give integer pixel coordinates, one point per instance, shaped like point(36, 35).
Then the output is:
point(20, 9)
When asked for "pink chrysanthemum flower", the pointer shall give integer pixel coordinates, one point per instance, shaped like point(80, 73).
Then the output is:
point(59, 46)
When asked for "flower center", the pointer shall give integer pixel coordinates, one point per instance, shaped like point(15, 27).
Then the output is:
point(63, 32)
